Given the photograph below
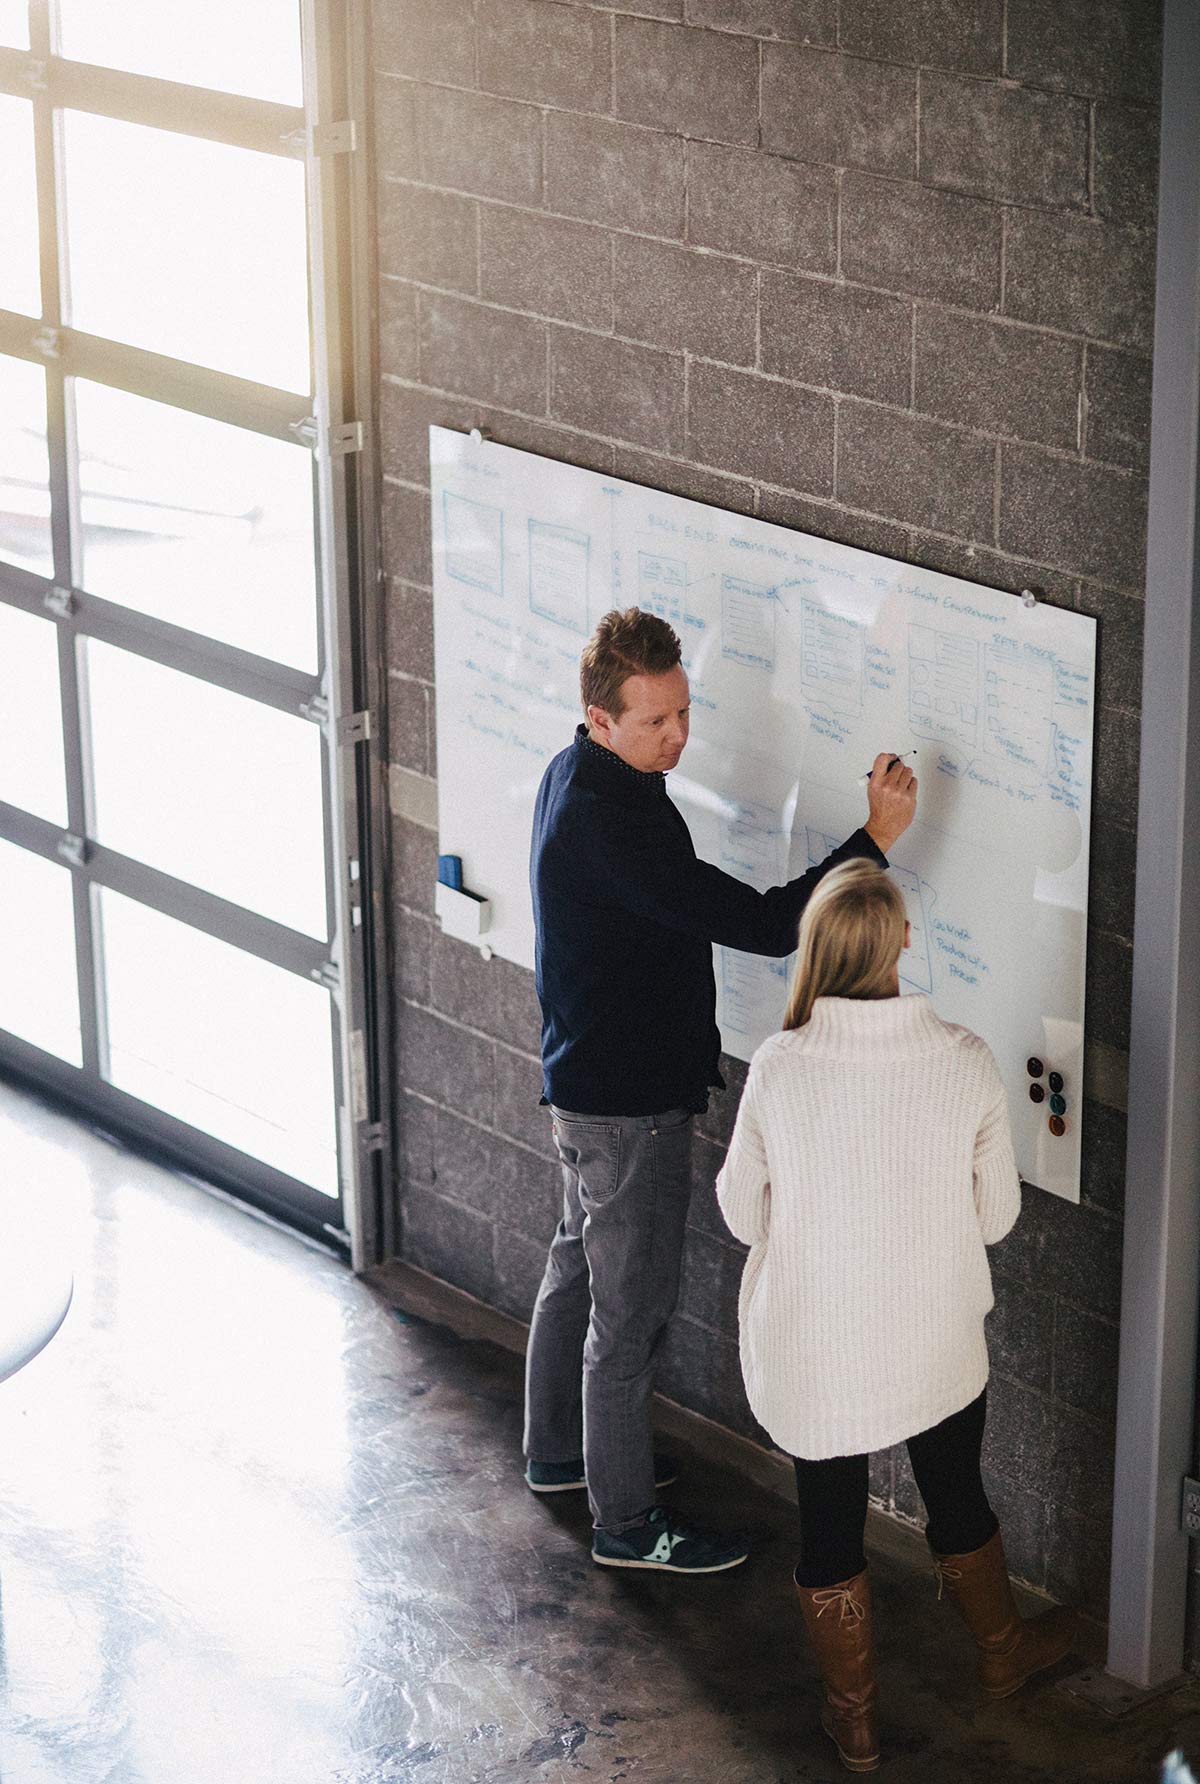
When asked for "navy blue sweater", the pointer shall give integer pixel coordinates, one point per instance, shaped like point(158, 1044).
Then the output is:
point(626, 916)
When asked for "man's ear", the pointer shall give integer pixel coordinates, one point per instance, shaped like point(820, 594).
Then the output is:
point(599, 720)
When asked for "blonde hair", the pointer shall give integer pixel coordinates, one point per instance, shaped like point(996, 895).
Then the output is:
point(626, 643)
point(851, 935)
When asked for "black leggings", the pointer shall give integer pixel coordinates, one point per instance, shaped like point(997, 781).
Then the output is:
point(833, 1499)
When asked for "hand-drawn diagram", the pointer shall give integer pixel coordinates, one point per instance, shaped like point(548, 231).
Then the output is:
point(753, 992)
point(474, 535)
point(750, 840)
point(662, 587)
point(558, 575)
point(747, 623)
point(943, 685)
point(916, 963)
point(1019, 686)
point(832, 656)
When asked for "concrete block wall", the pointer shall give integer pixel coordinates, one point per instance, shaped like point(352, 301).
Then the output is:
point(881, 272)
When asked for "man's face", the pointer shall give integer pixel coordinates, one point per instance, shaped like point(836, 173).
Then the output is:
point(651, 732)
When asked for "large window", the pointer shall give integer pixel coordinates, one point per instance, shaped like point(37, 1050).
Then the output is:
point(182, 810)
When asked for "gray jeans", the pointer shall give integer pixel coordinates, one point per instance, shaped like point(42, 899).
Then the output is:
point(610, 1286)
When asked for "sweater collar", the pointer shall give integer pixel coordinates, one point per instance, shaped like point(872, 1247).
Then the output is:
point(613, 773)
point(868, 1028)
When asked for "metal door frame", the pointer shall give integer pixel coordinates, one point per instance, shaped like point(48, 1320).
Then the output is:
point(328, 134)
point(1156, 1409)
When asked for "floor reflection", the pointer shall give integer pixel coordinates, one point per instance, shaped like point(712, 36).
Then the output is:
point(256, 1528)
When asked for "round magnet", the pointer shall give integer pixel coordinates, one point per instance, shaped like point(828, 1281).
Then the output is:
point(1034, 1067)
point(1056, 1081)
point(1036, 1093)
point(1058, 1105)
point(1058, 1126)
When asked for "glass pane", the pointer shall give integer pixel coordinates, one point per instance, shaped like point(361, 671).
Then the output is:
point(24, 468)
point(208, 785)
point(20, 275)
point(39, 993)
point(191, 520)
point(189, 248)
point(206, 43)
point(14, 24)
point(31, 743)
point(235, 1046)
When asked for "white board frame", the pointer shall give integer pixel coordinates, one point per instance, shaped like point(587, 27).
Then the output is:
point(805, 656)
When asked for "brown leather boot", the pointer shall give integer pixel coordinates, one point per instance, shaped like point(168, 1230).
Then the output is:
point(1011, 1650)
point(838, 1620)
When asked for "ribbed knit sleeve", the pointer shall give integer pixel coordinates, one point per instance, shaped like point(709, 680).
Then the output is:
point(743, 1185)
point(997, 1180)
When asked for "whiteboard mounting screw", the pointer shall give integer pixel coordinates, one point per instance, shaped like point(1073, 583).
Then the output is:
point(1028, 597)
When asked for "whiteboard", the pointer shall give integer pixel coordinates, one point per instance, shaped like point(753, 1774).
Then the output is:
point(805, 659)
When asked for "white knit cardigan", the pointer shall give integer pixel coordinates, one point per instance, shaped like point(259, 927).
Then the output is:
point(870, 1165)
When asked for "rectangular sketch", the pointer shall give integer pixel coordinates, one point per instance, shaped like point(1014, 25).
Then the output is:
point(662, 587)
point(473, 533)
point(943, 685)
point(748, 623)
point(750, 840)
point(916, 963)
point(832, 649)
point(753, 994)
point(558, 575)
point(1019, 688)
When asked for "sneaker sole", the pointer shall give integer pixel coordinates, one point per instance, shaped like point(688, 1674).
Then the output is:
point(665, 1566)
point(578, 1486)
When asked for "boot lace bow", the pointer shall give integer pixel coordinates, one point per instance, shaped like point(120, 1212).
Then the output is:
point(849, 1607)
point(945, 1574)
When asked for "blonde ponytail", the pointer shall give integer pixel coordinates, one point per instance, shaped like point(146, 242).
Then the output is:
point(851, 935)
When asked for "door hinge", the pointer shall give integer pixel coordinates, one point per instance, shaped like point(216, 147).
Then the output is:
point(1189, 1517)
point(327, 974)
point(335, 442)
point(356, 728)
point(59, 601)
point(323, 139)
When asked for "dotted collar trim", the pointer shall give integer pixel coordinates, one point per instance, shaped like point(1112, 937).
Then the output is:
point(597, 752)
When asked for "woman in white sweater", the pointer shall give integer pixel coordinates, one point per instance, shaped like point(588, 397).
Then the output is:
point(870, 1165)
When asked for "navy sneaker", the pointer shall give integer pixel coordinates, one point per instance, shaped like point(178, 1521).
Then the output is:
point(566, 1477)
point(666, 1545)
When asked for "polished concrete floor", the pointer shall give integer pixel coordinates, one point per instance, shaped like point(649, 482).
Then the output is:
point(255, 1527)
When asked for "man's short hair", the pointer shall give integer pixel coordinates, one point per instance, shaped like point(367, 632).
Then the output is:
point(624, 644)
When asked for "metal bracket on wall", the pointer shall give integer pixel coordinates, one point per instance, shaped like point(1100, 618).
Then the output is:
point(355, 728)
point(336, 442)
point(324, 139)
point(316, 710)
point(372, 1136)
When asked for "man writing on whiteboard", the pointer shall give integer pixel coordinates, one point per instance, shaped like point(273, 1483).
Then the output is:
point(625, 917)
